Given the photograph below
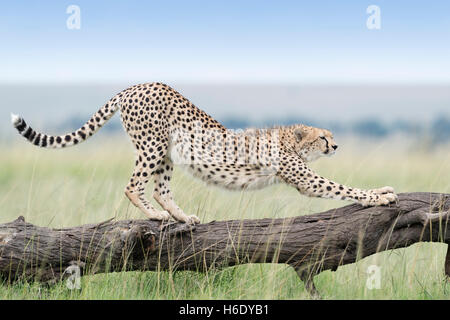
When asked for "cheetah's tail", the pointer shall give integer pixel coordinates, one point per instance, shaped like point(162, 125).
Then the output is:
point(70, 139)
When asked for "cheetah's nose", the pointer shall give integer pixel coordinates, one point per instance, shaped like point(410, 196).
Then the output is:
point(335, 147)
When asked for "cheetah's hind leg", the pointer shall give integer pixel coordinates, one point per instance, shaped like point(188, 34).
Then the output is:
point(163, 195)
point(135, 192)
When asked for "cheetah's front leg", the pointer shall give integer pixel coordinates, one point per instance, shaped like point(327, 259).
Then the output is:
point(311, 184)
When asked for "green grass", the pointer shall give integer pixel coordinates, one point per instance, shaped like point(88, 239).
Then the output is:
point(61, 188)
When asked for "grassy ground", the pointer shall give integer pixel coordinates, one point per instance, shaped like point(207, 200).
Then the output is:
point(85, 184)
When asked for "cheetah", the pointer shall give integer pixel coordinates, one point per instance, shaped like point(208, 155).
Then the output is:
point(166, 129)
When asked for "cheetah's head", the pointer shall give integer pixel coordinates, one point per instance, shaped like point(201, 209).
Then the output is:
point(312, 143)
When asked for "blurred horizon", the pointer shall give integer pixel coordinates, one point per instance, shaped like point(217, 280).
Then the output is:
point(367, 111)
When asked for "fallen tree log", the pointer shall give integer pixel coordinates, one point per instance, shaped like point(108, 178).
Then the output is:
point(310, 244)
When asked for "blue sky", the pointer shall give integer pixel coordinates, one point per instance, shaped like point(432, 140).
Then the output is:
point(225, 42)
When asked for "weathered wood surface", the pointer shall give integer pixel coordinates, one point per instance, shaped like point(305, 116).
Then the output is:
point(310, 244)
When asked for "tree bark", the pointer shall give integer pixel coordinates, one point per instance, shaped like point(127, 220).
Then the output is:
point(310, 244)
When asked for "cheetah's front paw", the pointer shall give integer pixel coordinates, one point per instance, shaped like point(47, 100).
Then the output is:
point(383, 190)
point(192, 219)
point(380, 199)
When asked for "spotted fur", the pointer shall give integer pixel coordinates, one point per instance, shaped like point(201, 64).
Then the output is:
point(166, 129)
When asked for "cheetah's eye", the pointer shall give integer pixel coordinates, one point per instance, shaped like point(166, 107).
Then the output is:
point(323, 138)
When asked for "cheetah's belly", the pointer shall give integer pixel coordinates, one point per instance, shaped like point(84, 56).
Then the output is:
point(225, 175)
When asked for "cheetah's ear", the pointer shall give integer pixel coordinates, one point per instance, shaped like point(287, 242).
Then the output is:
point(300, 134)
